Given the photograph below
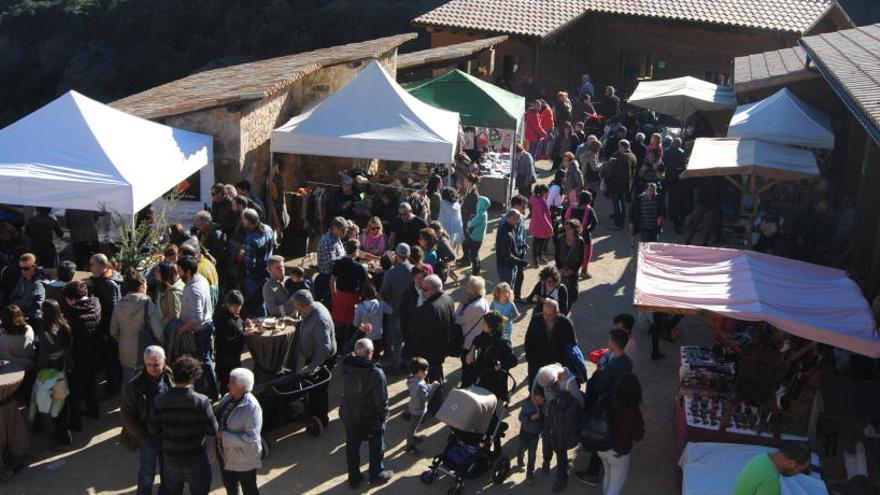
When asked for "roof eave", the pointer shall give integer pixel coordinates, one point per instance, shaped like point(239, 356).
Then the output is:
point(476, 30)
point(843, 94)
point(837, 9)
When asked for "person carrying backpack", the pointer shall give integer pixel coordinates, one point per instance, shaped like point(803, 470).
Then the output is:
point(558, 394)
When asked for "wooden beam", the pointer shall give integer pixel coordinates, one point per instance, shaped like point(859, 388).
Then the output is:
point(735, 183)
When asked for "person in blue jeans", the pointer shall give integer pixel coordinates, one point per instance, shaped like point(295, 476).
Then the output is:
point(140, 392)
point(196, 311)
point(182, 418)
point(363, 411)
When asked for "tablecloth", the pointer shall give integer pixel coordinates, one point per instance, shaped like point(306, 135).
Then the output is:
point(14, 440)
point(496, 188)
point(269, 351)
point(712, 468)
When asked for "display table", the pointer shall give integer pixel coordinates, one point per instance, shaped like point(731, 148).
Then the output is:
point(269, 348)
point(14, 440)
point(705, 385)
point(712, 469)
point(496, 188)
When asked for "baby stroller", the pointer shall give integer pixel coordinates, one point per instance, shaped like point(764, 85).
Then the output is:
point(475, 417)
point(284, 399)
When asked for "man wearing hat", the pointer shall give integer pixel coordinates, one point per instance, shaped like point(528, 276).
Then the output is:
point(647, 215)
point(394, 285)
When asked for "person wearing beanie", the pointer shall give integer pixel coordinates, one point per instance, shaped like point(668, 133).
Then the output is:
point(394, 284)
point(228, 337)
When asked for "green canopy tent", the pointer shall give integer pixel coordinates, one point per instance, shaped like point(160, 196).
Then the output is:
point(478, 103)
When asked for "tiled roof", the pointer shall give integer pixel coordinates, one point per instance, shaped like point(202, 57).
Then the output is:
point(850, 61)
point(524, 17)
point(444, 53)
point(245, 82)
point(542, 17)
point(771, 69)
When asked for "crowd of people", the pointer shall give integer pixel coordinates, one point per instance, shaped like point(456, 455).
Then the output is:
point(377, 306)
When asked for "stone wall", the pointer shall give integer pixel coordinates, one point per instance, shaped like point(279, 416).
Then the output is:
point(223, 125)
point(263, 116)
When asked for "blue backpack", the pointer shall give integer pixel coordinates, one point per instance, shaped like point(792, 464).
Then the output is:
point(576, 362)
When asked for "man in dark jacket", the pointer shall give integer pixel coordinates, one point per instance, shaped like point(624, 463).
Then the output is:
point(394, 285)
point(471, 195)
point(29, 292)
point(105, 284)
point(83, 226)
point(182, 419)
point(429, 335)
point(363, 411)
point(647, 214)
point(134, 414)
point(548, 338)
point(41, 230)
point(617, 179)
point(83, 312)
point(674, 160)
point(509, 254)
point(221, 209)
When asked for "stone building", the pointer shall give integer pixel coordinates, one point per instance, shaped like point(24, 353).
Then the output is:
point(619, 42)
point(839, 74)
point(240, 105)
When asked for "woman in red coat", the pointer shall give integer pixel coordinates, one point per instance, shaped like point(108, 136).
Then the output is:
point(548, 123)
point(535, 130)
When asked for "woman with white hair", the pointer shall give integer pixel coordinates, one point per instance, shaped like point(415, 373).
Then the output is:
point(469, 316)
point(556, 393)
point(239, 420)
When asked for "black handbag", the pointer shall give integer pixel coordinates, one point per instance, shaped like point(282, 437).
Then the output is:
point(596, 431)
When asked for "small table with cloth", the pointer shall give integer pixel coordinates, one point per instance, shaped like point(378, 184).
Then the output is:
point(14, 440)
point(269, 348)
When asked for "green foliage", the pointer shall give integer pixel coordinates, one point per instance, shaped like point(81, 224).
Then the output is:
point(139, 243)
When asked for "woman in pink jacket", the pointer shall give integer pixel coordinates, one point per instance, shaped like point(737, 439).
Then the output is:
point(541, 226)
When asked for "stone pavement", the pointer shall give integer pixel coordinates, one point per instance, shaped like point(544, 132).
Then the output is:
point(301, 464)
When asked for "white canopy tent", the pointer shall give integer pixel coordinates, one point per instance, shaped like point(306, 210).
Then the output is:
point(78, 153)
point(750, 158)
point(371, 117)
point(730, 156)
point(682, 97)
point(784, 119)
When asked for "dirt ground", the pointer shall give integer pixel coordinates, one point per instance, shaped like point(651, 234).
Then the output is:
point(301, 464)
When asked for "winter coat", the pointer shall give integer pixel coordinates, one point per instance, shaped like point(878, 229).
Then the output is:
point(169, 302)
point(468, 316)
point(477, 225)
point(241, 446)
point(586, 216)
point(228, 335)
point(429, 328)
point(18, 348)
point(563, 418)
point(541, 225)
point(524, 171)
point(542, 347)
point(535, 130)
point(547, 120)
point(364, 406)
point(492, 351)
point(617, 177)
point(29, 295)
point(394, 284)
point(128, 325)
point(315, 338)
point(108, 290)
point(559, 294)
point(574, 178)
point(134, 410)
point(508, 251)
point(469, 205)
point(84, 317)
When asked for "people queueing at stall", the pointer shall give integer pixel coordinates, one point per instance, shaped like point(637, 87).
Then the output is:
point(170, 338)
